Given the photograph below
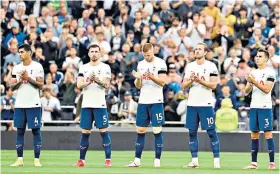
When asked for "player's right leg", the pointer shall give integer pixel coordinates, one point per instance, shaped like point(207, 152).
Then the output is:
point(192, 122)
point(142, 122)
point(34, 117)
point(20, 124)
point(255, 135)
point(158, 119)
point(86, 125)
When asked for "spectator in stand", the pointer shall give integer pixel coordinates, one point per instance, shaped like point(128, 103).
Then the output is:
point(185, 8)
point(198, 30)
point(118, 40)
point(225, 81)
point(57, 76)
point(173, 76)
point(67, 88)
point(209, 57)
point(231, 63)
point(121, 87)
point(84, 21)
point(128, 108)
point(170, 108)
point(274, 60)
point(212, 10)
point(243, 70)
point(7, 108)
point(261, 8)
point(49, 84)
point(13, 57)
point(108, 29)
point(15, 33)
point(243, 26)
point(50, 105)
point(226, 94)
point(113, 63)
point(73, 62)
point(49, 48)
point(65, 51)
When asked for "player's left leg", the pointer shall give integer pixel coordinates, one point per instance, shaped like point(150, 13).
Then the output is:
point(157, 117)
point(33, 116)
point(207, 118)
point(102, 123)
point(266, 125)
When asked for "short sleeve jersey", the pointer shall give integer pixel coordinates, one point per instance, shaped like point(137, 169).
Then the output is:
point(200, 95)
point(94, 94)
point(259, 98)
point(151, 92)
point(28, 96)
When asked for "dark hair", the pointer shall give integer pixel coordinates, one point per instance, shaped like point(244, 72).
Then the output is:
point(26, 47)
point(8, 88)
point(94, 46)
point(264, 51)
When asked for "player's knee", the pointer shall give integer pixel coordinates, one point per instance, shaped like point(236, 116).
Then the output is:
point(192, 133)
point(35, 131)
point(268, 134)
point(141, 130)
point(85, 131)
point(103, 130)
point(157, 130)
point(211, 133)
point(20, 131)
point(255, 135)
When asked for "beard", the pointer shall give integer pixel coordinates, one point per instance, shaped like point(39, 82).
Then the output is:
point(94, 59)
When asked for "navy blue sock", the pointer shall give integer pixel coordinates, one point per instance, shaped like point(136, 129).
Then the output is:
point(254, 149)
point(37, 142)
point(193, 143)
point(20, 141)
point(106, 141)
point(158, 144)
point(215, 143)
point(84, 143)
point(270, 146)
point(140, 141)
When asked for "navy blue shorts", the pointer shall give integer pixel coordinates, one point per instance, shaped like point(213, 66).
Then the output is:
point(261, 119)
point(31, 116)
point(99, 115)
point(147, 113)
point(204, 114)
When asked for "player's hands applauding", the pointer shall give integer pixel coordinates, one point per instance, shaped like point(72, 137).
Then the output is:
point(24, 76)
point(136, 74)
point(251, 79)
point(93, 77)
point(150, 75)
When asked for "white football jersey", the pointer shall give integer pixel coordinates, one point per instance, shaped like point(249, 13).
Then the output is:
point(259, 98)
point(200, 95)
point(151, 92)
point(28, 96)
point(94, 95)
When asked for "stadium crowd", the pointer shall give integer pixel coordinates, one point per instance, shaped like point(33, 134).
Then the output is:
point(61, 31)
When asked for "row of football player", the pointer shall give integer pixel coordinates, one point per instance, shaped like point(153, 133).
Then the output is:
point(201, 77)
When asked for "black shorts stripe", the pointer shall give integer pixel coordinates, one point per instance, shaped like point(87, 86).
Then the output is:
point(212, 74)
point(270, 79)
point(162, 72)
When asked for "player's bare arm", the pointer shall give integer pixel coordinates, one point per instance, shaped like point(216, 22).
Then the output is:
point(14, 84)
point(138, 80)
point(105, 83)
point(212, 84)
point(266, 88)
point(160, 80)
point(248, 88)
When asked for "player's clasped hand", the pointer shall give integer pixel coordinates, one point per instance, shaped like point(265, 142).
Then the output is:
point(150, 75)
point(251, 79)
point(24, 75)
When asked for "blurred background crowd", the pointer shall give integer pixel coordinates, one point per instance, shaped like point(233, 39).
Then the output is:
point(60, 32)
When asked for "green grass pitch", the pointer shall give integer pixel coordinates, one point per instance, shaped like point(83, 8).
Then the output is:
point(61, 162)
